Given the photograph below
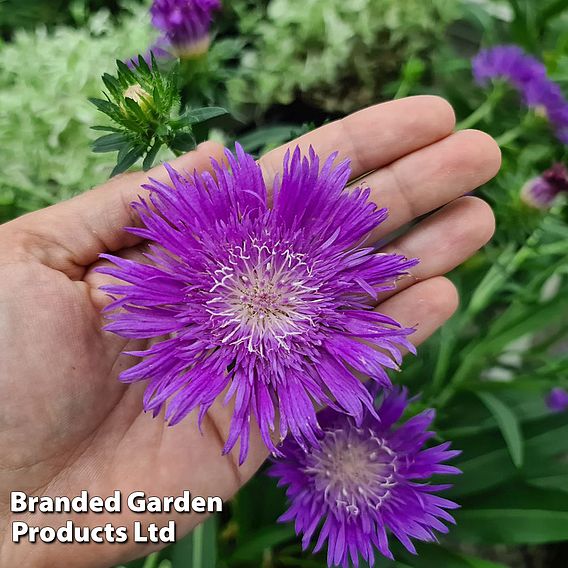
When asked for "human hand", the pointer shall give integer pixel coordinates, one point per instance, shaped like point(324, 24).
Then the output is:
point(68, 424)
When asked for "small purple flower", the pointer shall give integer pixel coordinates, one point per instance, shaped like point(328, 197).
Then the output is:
point(557, 400)
point(185, 24)
point(528, 75)
point(540, 192)
point(267, 305)
point(364, 480)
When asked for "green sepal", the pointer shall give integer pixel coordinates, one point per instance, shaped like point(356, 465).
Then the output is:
point(183, 142)
point(151, 155)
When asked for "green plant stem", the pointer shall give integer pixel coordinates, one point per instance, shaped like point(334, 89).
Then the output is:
point(510, 135)
point(483, 110)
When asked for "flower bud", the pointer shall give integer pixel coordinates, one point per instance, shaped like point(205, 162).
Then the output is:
point(137, 94)
point(557, 400)
point(185, 24)
point(541, 191)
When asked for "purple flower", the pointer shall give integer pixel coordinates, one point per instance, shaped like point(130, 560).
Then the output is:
point(557, 400)
point(541, 191)
point(507, 62)
point(185, 23)
point(528, 75)
point(364, 480)
point(265, 304)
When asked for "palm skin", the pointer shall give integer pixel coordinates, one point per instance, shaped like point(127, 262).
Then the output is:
point(68, 424)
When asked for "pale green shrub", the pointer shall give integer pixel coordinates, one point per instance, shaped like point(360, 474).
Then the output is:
point(337, 53)
point(45, 79)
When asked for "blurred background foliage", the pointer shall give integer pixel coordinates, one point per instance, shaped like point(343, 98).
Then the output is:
point(283, 67)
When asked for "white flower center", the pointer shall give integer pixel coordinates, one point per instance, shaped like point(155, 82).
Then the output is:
point(263, 296)
point(354, 469)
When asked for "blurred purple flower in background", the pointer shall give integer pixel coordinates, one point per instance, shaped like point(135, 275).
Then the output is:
point(185, 24)
point(541, 191)
point(557, 400)
point(507, 62)
point(364, 480)
point(266, 303)
point(528, 75)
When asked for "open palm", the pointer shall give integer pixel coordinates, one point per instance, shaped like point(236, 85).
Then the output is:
point(67, 423)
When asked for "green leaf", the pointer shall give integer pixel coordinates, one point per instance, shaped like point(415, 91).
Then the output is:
point(204, 538)
point(511, 526)
point(104, 106)
point(197, 115)
point(430, 554)
point(549, 443)
point(182, 142)
point(128, 159)
point(266, 538)
point(196, 550)
point(106, 128)
point(110, 142)
point(483, 472)
point(476, 562)
point(143, 66)
point(113, 85)
point(508, 424)
point(152, 560)
point(557, 482)
point(126, 72)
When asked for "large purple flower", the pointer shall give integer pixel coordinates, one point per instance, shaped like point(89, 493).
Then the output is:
point(365, 480)
point(528, 75)
point(185, 23)
point(270, 305)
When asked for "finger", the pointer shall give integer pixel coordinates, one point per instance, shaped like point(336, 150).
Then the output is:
point(94, 279)
point(375, 136)
point(433, 176)
point(70, 235)
point(444, 240)
point(426, 305)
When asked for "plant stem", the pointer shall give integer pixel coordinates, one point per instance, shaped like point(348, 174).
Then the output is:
point(510, 135)
point(483, 110)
